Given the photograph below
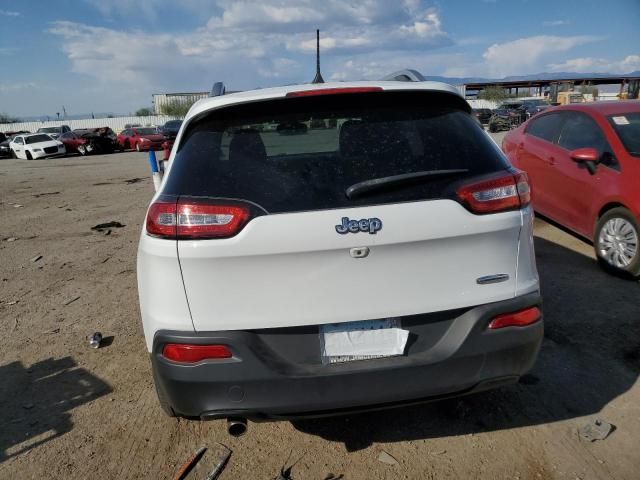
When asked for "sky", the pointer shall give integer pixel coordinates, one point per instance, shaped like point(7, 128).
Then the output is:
point(111, 55)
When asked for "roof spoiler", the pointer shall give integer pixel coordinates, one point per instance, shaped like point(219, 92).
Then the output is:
point(407, 75)
point(218, 89)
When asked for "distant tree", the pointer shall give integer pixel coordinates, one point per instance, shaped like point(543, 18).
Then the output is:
point(176, 109)
point(6, 118)
point(143, 112)
point(495, 94)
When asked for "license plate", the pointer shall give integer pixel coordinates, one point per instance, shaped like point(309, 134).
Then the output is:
point(363, 340)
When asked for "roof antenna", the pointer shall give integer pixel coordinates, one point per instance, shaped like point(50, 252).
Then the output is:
point(318, 78)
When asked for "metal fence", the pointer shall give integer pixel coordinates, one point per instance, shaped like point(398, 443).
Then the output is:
point(116, 124)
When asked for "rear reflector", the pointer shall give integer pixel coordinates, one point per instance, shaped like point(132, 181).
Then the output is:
point(508, 191)
point(191, 219)
point(333, 91)
point(520, 318)
point(186, 353)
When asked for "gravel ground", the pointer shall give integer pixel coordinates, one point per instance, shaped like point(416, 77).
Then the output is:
point(72, 412)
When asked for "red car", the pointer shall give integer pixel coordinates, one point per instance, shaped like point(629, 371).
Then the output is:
point(583, 162)
point(141, 138)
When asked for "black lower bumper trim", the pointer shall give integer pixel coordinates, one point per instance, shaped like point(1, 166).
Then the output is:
point(278, 373)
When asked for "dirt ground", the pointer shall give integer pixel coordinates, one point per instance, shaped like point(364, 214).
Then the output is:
point(68, 411)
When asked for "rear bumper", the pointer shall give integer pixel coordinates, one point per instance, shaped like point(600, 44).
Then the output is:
point(448, 354)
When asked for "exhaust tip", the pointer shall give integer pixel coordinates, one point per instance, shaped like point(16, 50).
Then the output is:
point(236, 427)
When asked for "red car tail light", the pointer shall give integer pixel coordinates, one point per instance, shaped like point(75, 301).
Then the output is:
point(508, 191)
point(186, 353)
point(333, 91)
point(190, 219)
point(521, 318)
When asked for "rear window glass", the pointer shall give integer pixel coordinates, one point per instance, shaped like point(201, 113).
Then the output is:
point(298, 154)
point(627, 126)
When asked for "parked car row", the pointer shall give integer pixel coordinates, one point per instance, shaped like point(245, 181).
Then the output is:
point(509, 114)
point(583, 162)
point(86, 141)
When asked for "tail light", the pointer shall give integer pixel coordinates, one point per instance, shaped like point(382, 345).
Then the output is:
point(195, 219)
point(186, 353)
point(508, 191)
point(521, 318)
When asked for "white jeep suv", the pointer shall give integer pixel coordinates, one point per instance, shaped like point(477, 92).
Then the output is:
point(320, 249)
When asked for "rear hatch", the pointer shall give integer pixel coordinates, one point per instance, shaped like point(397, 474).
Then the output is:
point(322, 225)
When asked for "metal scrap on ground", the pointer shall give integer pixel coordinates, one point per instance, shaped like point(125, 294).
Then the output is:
point(189, 464)
point(222, 457)
point(384, 457)
point(595, 430)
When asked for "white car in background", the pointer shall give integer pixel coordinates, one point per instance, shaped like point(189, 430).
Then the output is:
point(36, 145)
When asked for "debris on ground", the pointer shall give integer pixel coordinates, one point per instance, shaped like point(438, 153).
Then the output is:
point(12, 302)
point(17, 205)
point(595, 430)
point(95, 340)
point(10, 239)
point(134, 180)
point(438, 452)
point(221, 460)
point(285, 472)
point(384, 457)
point(36, 258)
point(101, 227)
point(189, 464)
point(71, 300)
point(37, 195)
point(27, 406)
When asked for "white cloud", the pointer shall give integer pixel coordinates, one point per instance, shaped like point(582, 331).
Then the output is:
point(8, 13)
point(628, 64)
point(525, 55)
point(12, 87)
point(248, 42)
point(555, 23)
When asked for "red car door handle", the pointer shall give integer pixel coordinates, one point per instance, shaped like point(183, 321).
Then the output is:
point(552, 160)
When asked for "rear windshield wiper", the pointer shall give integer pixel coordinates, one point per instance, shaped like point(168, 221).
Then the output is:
point(394, 181)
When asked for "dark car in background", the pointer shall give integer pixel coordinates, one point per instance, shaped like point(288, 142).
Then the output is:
point(88, 141)
point(483, 115)
point(5, 151)
point(533, 107)
point(55, 132)
point(170, 129)
point(509, 115)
